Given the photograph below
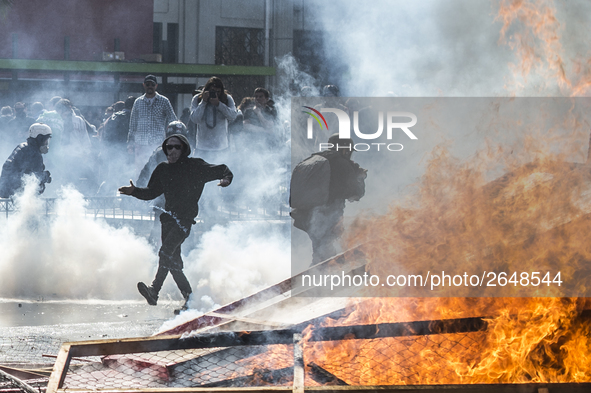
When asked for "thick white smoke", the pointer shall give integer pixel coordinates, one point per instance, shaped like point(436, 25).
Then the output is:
point(237, 259)
point(454, 48)
point(67, 255)
point(457, 48)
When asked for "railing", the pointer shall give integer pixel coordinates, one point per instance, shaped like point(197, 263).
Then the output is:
point(126, 208)
point(6, 206)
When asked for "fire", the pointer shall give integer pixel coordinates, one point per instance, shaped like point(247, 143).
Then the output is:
point(534, 345)
point(535, 217)
point(527, 340)
point(532, 30)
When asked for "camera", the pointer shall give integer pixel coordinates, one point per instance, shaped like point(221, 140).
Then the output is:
point(213, 94)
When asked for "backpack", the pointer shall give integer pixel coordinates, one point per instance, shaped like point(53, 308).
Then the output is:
point(310, 183)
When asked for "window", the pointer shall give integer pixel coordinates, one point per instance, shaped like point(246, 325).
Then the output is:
point(242, 47)
point(168, 48)
point(239, 46)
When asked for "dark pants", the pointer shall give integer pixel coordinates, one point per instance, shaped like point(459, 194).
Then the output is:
point(173, 235)
point(324, 226)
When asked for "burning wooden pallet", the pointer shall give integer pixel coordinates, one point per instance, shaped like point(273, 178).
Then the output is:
point(280, 360)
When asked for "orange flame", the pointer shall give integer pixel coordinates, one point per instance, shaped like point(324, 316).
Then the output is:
point(534, 218)
point(533, 31)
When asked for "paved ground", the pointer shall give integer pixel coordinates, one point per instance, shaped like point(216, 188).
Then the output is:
point(32, 332)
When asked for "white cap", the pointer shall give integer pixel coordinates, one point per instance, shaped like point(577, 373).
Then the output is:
point(37, 129)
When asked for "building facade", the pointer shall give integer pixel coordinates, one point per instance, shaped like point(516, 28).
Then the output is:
point(96, 52)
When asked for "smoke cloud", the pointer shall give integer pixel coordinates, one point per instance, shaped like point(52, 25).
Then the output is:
point(67, 255)
point(456, 48)
point(234, 260)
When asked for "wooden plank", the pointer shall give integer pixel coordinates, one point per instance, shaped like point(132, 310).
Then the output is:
point(348, 260)
point(267, 376)
point(24, 373)
point(324, 377)
point(185, 390)
point(398, 329)
point(270, 337)
point(157, 343)
point(60, 369)
point(298, 364)
point(247, 320)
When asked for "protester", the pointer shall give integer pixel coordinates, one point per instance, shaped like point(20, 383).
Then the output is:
point(75, 136)
point(36, 109)
point(150, 115)
point(116, 127)
point(114, 158)
point(5, 117)
point(50, 117)
point(27, 159)
point(181, 179)
point(330, 91)
point(260, 120)
point(319, 204)
point(76, 163)
point(191, 126)
point(265, 108)
point(19, 125)
point(158, 156)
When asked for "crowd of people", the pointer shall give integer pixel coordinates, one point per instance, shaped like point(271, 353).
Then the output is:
point(171, 160)
point(95, 156)
point(139, 138)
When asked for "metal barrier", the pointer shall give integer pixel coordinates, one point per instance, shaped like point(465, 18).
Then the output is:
point(6, 206)
point(125, 208)
point(382, 355)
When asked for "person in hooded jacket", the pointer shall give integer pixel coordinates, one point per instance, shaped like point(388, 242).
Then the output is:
point(27, 159)
point(158, 156)
point(181, 179)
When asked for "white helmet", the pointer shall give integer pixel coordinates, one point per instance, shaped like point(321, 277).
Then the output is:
point(37, 129)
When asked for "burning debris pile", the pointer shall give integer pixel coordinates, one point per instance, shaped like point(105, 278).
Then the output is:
point(504, 350)
point(542, 341)
point(535, 218)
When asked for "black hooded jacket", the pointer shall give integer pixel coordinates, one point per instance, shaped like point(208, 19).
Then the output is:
point(25, 159)
point(182, 182)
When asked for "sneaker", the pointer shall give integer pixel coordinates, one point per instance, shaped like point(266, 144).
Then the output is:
point(185, 307)
point(148, 292)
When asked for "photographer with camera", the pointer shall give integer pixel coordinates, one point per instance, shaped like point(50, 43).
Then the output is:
point(212, 110)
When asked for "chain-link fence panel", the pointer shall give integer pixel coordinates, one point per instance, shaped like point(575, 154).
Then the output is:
point(394, 360)
point(32, 346)
point(11, 383)
point(212, 367)
point(28, 349)
point(365, 355)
